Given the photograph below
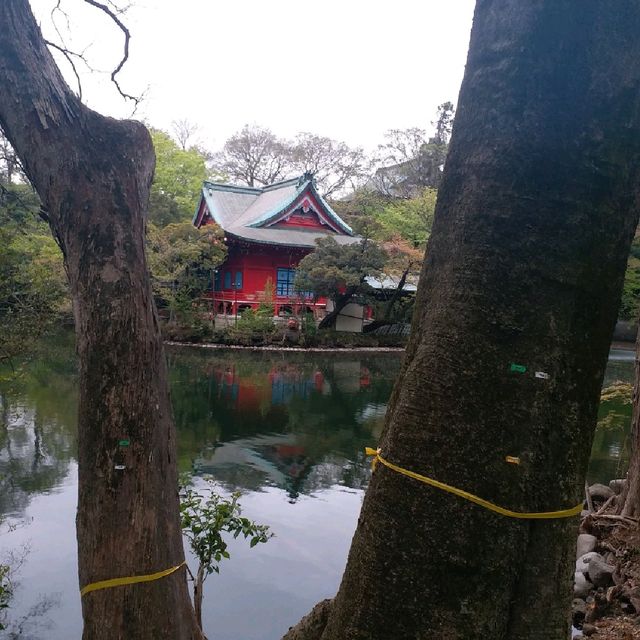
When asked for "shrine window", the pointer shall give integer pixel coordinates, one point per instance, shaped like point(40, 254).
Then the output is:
point(284, 282)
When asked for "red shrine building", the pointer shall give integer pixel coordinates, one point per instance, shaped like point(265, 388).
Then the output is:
point(268, 230)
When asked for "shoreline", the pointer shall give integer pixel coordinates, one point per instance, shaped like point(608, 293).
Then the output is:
point(238, 347)
point(623, 346)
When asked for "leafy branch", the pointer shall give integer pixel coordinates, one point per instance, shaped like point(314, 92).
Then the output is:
point(205, 518)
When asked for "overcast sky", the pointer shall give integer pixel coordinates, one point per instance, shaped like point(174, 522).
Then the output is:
point(348, 69)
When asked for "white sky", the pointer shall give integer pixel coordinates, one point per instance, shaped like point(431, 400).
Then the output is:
point(348, 69)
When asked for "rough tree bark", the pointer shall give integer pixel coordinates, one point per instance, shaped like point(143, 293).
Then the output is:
point(93, 176)
point(525, 264)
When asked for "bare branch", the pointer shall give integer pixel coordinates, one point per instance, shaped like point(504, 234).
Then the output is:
point(68, 55)
point(113, 14)
point(184, 130)
point(58, 9)
point(118, 10)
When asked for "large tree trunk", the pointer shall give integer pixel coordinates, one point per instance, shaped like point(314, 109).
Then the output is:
point(525, 265)
point(93, 175)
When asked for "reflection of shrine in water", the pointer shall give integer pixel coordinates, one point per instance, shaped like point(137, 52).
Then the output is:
point(278, 460)
point(300, 451)
point(287, 381)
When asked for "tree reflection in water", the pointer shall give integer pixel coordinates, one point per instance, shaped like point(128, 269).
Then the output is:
point(299, 422)
point(278, 426)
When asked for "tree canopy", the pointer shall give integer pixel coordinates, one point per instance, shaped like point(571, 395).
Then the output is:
point(255, 156)
point(411, 160)
point(332, 268)
point(177, 180)
point(32, 278)
point(339, 272)
point(630, 303)
point(181, 259)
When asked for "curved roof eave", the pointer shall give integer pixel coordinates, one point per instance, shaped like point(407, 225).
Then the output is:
point(329, 212)
point(332, 214)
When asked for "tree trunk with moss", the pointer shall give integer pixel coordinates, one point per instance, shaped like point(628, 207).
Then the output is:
point(515, 311)
point(93, 176)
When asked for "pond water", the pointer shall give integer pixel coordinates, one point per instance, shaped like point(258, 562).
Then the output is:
point(286, 429)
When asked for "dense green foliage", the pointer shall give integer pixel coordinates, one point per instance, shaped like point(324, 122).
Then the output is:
point(382, 217)
point(32, 278)
point(181, 257)
point(177, 181)
point(181, 260)
point(333, 269)
point(409, 219)
point(400, 227)
point(630, 303)
point(259, 320)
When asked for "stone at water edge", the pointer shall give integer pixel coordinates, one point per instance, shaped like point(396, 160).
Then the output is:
point(579, 605)
point(586, 543)
point(617, 485)
point(600, 573)
point(578, 611)
point(582, 563)
point(581, 586)
point(600, 492)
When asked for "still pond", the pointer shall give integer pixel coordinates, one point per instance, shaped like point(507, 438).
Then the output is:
point(286, 429)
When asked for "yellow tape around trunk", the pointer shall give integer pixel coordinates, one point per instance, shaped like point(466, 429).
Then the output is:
point(544, 515)
point(118, 582)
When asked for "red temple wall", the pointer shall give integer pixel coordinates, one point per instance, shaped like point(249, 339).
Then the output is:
point(257, 263)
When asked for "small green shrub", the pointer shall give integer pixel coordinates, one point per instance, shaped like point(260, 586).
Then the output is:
point(205, 518)
point(259, 320)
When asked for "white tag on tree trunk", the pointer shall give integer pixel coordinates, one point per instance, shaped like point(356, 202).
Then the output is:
point(542, 375)
point(120, 467)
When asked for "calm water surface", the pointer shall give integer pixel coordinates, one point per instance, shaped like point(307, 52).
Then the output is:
point(288, 430)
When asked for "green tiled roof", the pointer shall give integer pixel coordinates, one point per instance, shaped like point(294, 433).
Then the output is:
point(245, 212)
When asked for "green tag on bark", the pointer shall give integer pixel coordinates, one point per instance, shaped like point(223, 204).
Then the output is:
point(517, 368)
point(123, 443)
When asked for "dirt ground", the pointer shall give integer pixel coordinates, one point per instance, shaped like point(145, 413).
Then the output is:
point(614, 614)
point(617, 629)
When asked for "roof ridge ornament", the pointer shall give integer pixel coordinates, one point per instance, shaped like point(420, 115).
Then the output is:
point(307, 176)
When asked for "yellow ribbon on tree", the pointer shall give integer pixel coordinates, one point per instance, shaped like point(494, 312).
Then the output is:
point(543, 515)
point(118, 582)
